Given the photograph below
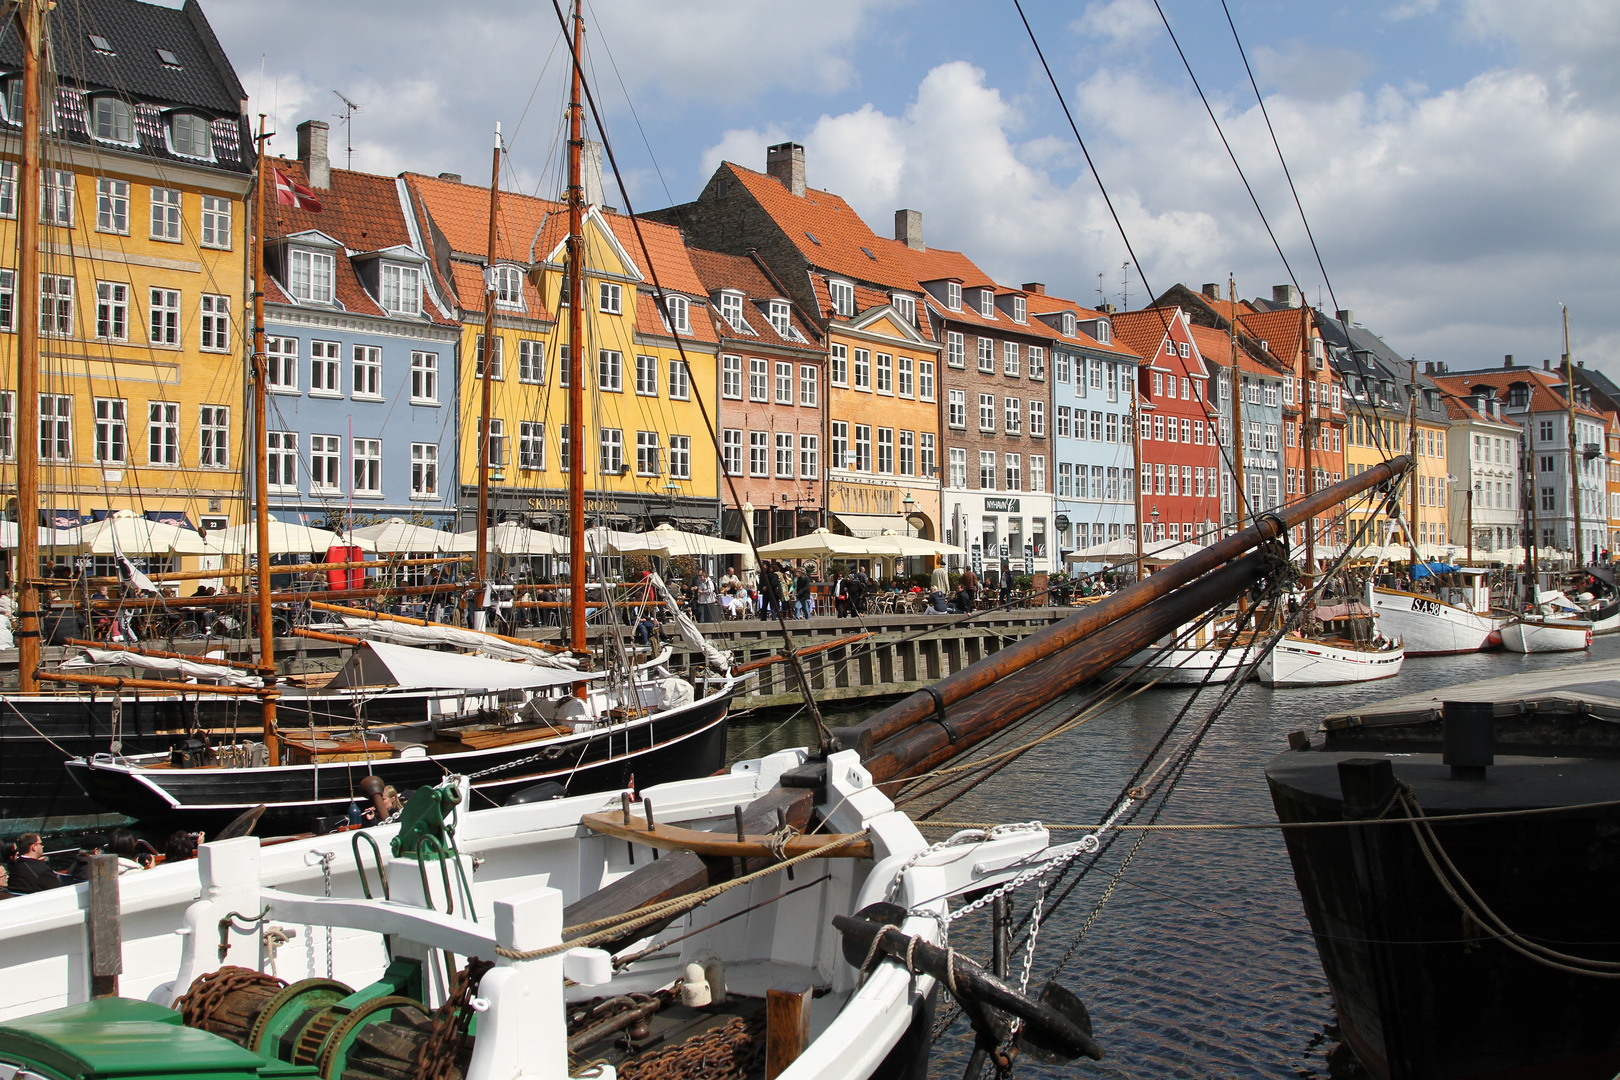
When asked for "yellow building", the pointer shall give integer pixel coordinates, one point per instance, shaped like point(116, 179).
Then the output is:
point(650, 458)
point(143, 249)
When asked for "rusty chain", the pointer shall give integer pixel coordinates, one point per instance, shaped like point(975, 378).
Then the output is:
point(450, 1023)
point(730, 1051)
point(209, 991)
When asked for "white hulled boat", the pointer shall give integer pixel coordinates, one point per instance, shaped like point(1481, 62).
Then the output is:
point(1553, 625)
point(1348, 648)
point(1456, 619)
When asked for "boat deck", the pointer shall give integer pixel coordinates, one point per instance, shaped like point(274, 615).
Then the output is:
point(1591, 689)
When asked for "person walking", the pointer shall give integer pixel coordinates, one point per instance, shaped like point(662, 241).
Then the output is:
point(704, 598)
point(970, 588)
point(940, 580)
point(801, 594)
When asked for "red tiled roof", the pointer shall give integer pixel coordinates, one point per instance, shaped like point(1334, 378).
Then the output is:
point(1216, 347)
point(1545, 384)
point(1458, 409)
point(651, 323)
point(1143, 331)
point(1282, 331)
point(720, 271)
point(866, 299)
point(668, 252)
point(461, 212)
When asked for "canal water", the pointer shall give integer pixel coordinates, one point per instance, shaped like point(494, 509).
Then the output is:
point(1201, 963)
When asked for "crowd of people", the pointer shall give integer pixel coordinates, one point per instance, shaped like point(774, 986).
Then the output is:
point(25, 867)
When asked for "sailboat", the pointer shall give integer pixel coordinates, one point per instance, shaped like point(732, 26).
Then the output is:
point(1342, 645)
point(519, 721)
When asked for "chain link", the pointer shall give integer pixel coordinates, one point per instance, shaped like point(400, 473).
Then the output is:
point(325, 858)
point(209, 991)
point(437, 1057)
point(732, 1051)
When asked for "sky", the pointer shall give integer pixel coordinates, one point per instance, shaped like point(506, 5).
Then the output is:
point(1454, 158)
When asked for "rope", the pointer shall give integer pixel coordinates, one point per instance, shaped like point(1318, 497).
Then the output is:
point(1233, 826)
point(616, 925)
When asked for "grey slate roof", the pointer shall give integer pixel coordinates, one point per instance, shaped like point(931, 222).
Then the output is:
point(1357, 351)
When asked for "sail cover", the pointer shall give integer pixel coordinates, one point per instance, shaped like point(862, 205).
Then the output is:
point(412, 634)
point(717, 659)
point(195, 669)
point(380, 663)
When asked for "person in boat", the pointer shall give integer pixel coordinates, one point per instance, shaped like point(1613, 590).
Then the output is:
point(126, 845)
point(647, 628)
point(5, 883)
point(180, 846)
point(30, 872)
point(385, 802)
point(89, 846)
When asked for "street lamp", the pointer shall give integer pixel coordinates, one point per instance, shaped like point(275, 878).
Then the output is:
point(1155, 516)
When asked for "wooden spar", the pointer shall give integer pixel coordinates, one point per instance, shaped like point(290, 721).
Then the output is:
point(978, 677)
point(487, 367)
point(1411, 452)
point(338, 609)
point(261, 461)
point(1136, 483)
point(923, 746)
point(300, 568)
point(808, 650)
point(1238, 447)
point(337, 639)
point(574, 279)
point(113, 646)
point(239, 599)
point(719, 844)
point(1311, 427)
point(170, 687)
point(30, 18)
point(1579, 545)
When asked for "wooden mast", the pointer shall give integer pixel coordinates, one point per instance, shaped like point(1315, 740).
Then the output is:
point(261, 465)
point(1136, 484)
point(481, 549)
point(30, 20)
point(1411, 445)
point(1579, 545)
point(575, 278)
point(1531, 524)
point(1238, 470)
point(1310, 428)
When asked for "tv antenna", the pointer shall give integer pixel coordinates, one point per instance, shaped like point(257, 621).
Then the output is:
point(1125, 285)
point(347, 116)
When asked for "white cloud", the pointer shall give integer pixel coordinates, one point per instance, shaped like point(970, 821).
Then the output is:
point(1571, 41)
point(1122, 22)
point(1306, 70)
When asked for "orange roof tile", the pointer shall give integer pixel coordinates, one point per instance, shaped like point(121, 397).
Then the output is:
point(721, 271)
point(1143, 331)
point(651, 323)
point(668, 253)
point(461, 213)
point(1282, 331)
point(1542, 383)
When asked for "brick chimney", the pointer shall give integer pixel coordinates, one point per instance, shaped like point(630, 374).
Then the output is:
point(908, 229)
point(1106, 309)
point(1507, 361)
point(785, 161)
point(450, 177)
point(1346, 316)
point(1211, 290)
point(1285, 296)
point(312, 152)
point(1035, 287)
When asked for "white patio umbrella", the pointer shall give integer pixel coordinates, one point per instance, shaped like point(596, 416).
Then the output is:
point(129, 532)
point(286, 538)
point(909, 546)
point(1107, 551)
point(397, 534)
point(516, 538)
point(47, 537)
point(668, 541)
point(822, 543)
point(599, 540)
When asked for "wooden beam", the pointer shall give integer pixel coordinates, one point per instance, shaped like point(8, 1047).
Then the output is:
point(113, 682)
point(103, 928)
point(787, 1025)
point(675, 838)
point(808, 650)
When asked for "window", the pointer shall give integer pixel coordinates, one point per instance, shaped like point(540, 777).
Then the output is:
point(1015, 480)
point(610, 370)
point(110, 432)
point(497, 366)
point(610, 297)
point(809, 385)
point(214, 437)
point(325, 368)
point(957, 464)
point(1062, 365)
point(401, 289)
point(1115, 427)
point(784, 383)
point(309, 276)
point(611, 454)
point(1065, 479)
point(281, 361)
point(531, 444)
point(425, 378)
point(166, 209)
point(56, 197)
point(903, 385)
point(647, 463)
point(843, 297)
point(189, 135)
point(678, 308)
point(8, 189)
point(1009, 358)
point(1037, 362)
point(956, 408)
point(987, 303)
point(508, 286)
point(216, 231)
point(987, 412)
point(1013, 409)
point(283, 459)
point(731, 377)
point(778, 314)
point(680, 457)
point(424, 470)
point(647, 376)
point(908, 453)
point(55, 305)
point(1117, 378)
point(1183, 350)
point(906, 307)
point(809, 457)
point(1037, 419)
point(165, 322)
point(840, 445)
point(925, 380)
point(885, 450)
point(840, 365)
point(1037, 473)
point(925, 455)
point(1020, 309)
point(784, 455)
point(759, 453)
point(1064, 428)
point(731, 309)
point(885, 373)
point(367, 371)
point(112, 311)
point(368, 466)
point(325, 463)
point(863, 369)
point(987, 470)
point(953, 295)
point(1158, 384)
point(731, 451)
point(955, 351)
point(758, 388)
point(112, 205)
point(863, 448)
point(987, 355)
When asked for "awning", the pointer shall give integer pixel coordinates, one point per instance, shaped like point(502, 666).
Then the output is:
point(378, 663)
point(171, 517)
point(873, 524)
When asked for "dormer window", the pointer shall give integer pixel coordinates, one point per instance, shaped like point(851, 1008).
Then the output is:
point(906, 306)
point(401, 289)
point(1068, 324)
point(14, 94)
point(843, 297)
point(779, 318)
point(508, 286)
point(987, 303)
point(731, 309)
point(679, 313)
point(112, 120)
point(190, 135)
point(309, 276)
point(1020, 309)
point(953, 295)
point(1105, 331)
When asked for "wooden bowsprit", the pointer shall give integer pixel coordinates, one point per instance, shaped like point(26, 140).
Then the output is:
point(722, 845)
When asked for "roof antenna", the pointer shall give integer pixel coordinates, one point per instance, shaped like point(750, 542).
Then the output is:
point(347, 116)
point(1125, 285)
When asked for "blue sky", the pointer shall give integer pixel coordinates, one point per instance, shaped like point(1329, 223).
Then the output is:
point(1453, 156)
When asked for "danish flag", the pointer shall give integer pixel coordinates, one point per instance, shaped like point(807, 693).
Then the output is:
point(291, 193)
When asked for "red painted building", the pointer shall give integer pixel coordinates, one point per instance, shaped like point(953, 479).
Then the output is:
point(1176, 451)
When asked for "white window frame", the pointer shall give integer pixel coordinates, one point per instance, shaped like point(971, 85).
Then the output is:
point(646, 375)
point(325, 369)
point(506, 282)
point(759, 453)
point(784, 455)
point(1037, 419)
point(809, 457)
point(216, 223)
point(649, 454)
point(956, 409)
point(168, 210)
point(112, 431)
point(885, 374)
point(56, 197)
point(838, 358)
point(610, 371)
point(326, 464)
point(56, 305)
point(163, 318)
point(283, 460)
point(680, 457)
point(310, 275)
point(680, 387)
point(610, 452)
point(367, 458)
point(759, 387)
point(424, 378)
point(863, 370)
point(987, 413)
point(214, 436)
point(424, 470)
point(731, 377)
point(610, 297)
point(809, 386)
point(731, 451)
point(678, 314)
point(531, 445)
point(366, 372)
point(401, 289)
point(842, 294)
point(783, 377)
point(281, 364)
point(112, 311)
point(112, 206)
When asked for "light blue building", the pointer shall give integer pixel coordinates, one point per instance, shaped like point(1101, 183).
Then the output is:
point(362, 355)
point(1093, 393)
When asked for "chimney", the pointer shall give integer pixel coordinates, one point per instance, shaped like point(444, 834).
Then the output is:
point(450, 177)
point(785, 161)
point(1345, 315)
point(1507, 361)
point(1546, 365)
point(907, 223)
point(1211, 290)
point(1428, 367)
point(1106, 309)
point(312, 152)
point(590, 172)
point(1035, 287)
point(1285, 296)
